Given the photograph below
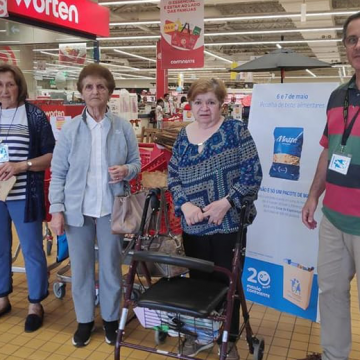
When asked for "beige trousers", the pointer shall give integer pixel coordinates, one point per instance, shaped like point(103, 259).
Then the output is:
point(338, 261)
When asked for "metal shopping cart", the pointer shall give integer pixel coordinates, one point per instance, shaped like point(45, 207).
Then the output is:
point(183, 306)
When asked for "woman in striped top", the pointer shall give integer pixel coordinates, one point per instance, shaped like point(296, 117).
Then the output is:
point(26, 145)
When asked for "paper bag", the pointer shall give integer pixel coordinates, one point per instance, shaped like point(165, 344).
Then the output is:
point(297, 285)
point(5, 187)
point(154, 179)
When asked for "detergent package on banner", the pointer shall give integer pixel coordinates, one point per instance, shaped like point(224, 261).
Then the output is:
point(298, 281)
point(288, 143)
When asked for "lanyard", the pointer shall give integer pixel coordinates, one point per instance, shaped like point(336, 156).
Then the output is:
point(347, 129)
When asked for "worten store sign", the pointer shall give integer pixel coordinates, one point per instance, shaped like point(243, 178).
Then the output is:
point(78, 15)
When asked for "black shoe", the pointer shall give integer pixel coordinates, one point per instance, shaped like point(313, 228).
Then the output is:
point(34, 322)
point(110, 328)
point(5, 310)
point(83, 333)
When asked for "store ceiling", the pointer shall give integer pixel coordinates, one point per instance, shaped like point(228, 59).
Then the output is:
point(317, 37)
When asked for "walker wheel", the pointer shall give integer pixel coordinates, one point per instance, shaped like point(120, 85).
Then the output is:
point(59, 290)
point(259, 347)
point(160, 337)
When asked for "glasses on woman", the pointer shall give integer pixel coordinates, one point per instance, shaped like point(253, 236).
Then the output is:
point(351, 41)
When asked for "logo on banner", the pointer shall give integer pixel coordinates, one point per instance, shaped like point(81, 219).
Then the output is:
point(80, 15)
point(3, 8)
point(57, 9)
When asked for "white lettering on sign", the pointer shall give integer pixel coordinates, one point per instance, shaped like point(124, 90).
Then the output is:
point(58, 9)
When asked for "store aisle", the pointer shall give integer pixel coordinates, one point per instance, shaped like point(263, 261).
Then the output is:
point(286, 337)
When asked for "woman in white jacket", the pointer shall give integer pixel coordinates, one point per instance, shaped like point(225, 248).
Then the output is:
point(95, 157)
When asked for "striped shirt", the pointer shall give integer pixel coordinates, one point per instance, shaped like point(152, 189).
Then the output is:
point(14, 132)
point(341, 203)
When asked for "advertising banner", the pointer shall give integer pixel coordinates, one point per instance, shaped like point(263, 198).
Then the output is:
point(286, 122)
point(79, 15)
point(182, 33)
point(72, 53)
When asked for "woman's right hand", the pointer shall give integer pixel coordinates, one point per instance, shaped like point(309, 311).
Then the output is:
point(193, 214)
point(57, 223)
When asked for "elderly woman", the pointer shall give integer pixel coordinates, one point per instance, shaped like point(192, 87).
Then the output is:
point(95, 157)
point(26, 145)
point(214, 166)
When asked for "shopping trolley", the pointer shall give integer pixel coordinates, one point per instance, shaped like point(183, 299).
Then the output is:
point(183, 306)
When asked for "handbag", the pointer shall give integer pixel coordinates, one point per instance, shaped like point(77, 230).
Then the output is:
point(127, 213)
point(166, 243)
point(62, 248)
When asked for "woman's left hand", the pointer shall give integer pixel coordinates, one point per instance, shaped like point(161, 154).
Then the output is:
point(118, 173)
point(216, 211)
point(9, 169)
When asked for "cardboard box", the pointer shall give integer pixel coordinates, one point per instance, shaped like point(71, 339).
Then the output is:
point(297, 284)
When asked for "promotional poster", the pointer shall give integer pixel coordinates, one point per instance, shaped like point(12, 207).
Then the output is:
point(182, 33)
point(286, 122)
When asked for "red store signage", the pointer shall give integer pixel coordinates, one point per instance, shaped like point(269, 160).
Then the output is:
point(79, 15)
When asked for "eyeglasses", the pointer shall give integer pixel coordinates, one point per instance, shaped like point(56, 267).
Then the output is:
point(351, 41)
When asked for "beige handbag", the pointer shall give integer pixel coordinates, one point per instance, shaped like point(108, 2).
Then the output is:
point(127, 213)
point(5, 187)
point(166, 243)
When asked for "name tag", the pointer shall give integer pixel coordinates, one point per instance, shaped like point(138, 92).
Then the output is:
point(4, 153)
point(340, 163)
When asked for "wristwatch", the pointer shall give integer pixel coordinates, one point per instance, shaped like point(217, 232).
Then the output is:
point(29, 164)
point(230, 200)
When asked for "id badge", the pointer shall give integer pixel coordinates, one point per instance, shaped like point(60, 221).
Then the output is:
point(340, 163)
point(4, 153)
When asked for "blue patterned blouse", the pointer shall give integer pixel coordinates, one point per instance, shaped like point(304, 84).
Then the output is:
point(228, 165)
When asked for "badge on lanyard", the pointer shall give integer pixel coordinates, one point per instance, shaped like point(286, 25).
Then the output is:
point(340, 163)
point(4, 153)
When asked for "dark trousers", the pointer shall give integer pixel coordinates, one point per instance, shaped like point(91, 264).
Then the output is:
point(218, 248)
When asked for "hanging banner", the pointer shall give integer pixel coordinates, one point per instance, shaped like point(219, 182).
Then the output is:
point(286, 122)
point(3, 8)
point(182, 33)
point(72, 53)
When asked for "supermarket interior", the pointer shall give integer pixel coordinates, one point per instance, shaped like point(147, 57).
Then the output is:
point(280, 61)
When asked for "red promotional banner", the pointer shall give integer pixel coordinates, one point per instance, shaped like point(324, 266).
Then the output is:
point(182, 33)
point(72, 53)
point(79, 15)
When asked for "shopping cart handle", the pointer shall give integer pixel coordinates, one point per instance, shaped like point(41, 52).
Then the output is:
point(162, 258)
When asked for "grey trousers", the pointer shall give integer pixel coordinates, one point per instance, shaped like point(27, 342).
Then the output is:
point(81, 242)
point(338, 261)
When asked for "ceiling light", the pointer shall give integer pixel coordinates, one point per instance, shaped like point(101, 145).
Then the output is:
point(133, 55)
point(273, 42)
point(261, 32)
point(240, 18)
point(119, 66)
point(156, 22)
point(128, 47)
point(129, 37)
point(311, 73)
point(218, 57)
point(128, 2)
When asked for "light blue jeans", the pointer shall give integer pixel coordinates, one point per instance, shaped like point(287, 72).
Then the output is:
point(31, 240)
